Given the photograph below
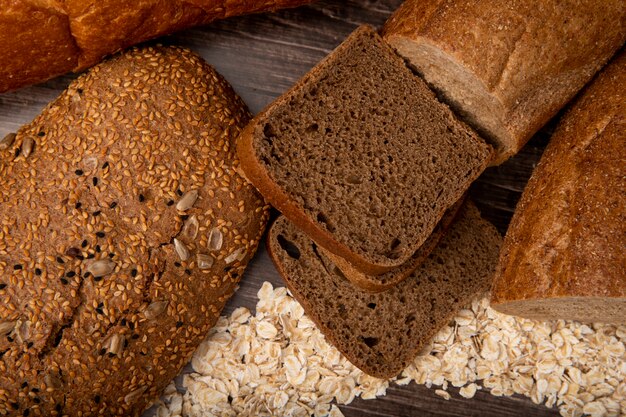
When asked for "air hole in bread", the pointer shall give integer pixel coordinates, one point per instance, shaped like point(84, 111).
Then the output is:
point(410, 318)
point(394, 249)
point(370, 341)
point(371, 305)
point(321, 217)
point(269, 132)
point(312, 128)
point(289, 247)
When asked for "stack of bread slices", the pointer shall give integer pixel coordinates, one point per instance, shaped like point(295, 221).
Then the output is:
point(370, 167)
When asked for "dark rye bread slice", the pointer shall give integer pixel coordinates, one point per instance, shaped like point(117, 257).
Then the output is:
point(362, 156)
point(382, 282)
point(382, 333)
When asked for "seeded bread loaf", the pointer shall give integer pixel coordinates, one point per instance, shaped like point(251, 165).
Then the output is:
point(382, 333)
point(43, 39)
point(125, 228)
point(563, 256)
point(382, 282)
point(507, 66)
point(361, 155)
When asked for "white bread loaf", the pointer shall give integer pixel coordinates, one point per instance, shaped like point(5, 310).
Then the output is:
point(507, 66)
point(563, 256)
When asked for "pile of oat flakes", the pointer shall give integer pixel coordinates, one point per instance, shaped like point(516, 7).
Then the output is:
point(277, 363)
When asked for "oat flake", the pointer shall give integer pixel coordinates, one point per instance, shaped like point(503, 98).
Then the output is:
point(276, 362)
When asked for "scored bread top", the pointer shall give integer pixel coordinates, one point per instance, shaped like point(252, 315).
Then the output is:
point(361, 155)
point(124, 230)
point(382, 333)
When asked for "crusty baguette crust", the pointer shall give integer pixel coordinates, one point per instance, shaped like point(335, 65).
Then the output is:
point(43, 39)
point(507, 66)
point(563, 256)
point(380, 283)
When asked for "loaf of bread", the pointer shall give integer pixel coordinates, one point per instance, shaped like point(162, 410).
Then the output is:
point(507, 66)
point(361, 155)
point(382, 333)
point(43, 39)
point(563, 256)
point(124, 230)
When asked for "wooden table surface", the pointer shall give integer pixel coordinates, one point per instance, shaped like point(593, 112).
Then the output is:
point(263, 55)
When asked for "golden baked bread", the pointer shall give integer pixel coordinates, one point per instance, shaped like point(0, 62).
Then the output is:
point(46, 38)
point(124, 229)
point(507, 67)
point(563, 256)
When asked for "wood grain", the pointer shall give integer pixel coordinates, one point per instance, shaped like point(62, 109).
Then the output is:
point(262, 56)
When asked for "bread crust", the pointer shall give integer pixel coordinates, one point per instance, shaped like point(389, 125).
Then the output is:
point(563, 256)
point(383, 282)
point(125, 229)
point(507, 67)
point(40, 40)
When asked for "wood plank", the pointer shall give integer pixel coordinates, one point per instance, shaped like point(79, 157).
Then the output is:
point(262, 56)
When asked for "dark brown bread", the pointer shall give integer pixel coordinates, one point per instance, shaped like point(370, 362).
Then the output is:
point(563, 256)
point(507, 66)
point(382, 282)
point(45, 38)
point(382, 333)
point(111, 272)
point(361, 155)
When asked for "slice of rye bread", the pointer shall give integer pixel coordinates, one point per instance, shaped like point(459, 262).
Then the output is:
point(383, 282)
point(362, 156)
point(382, 333)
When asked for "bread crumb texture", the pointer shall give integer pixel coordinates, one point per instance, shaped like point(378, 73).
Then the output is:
point(276, 362)
point(124, 228)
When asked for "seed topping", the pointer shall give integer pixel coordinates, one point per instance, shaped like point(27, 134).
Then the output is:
point(181, 250)
point(7, 141)
point(187, 201)
point(101, 268)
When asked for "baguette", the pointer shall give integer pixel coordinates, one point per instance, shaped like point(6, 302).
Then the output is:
point(125, 229)
point(507, 67)
point(42, 39)
point(563, 256)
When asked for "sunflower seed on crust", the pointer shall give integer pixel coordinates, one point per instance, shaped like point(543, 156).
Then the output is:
point(155, 309)
point(52, 381)
point(28, 144)
point(6, 327)
point(7, 141)
point(101, 268)
point(204, 261)
point(135, 395)
point(115, 343)
point(237, 255)
point(216, 239)
point(181, 250)
point(187, 201)
point(190, 230)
